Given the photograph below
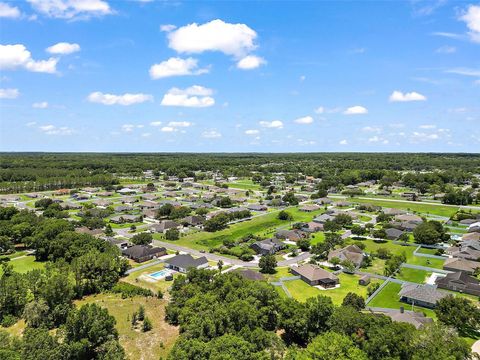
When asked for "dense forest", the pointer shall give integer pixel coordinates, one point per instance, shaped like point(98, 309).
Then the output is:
point(20, 172)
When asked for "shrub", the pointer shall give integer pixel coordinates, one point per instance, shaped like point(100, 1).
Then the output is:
point(129, 290)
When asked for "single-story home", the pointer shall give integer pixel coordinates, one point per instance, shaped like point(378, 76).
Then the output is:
point(351, 252)
point(120, 219)
point(457, 264)
point(421, 294)
point(461, 282)
point(393, 234)
point(312, 227)
point(142, 253)
point(268, 246)
point(164, 225)
point(309, 207)
point(183, 263)
point(417, 319)
point(315, 275)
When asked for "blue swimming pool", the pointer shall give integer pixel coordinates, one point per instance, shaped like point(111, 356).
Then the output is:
point(160, 274)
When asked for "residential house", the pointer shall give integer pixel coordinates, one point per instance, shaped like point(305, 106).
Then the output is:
point(183, 263)
point(393, 234)
point(421, 294)
point(469, 250)
point(268, 246)
point(417, 319)
point(312, 227)
point(120, 219)
point(194, 220)
point(364, 280)
point(461, 282)
point(323, 201)
point(322, 219)
point(121, 244)
point(410, 218)
point(127, 191)
point(291, 235)
point(309, 207)
point(257, 207)
point(164, 225)
point(142, 253)
point(351, 252)
point(457, 264)
point(474, 228)
point(315, 275)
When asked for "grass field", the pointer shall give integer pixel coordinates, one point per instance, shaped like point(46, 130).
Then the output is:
point(388, 298)
point(244, 184)
point(138, 345)
point(139, 278)
point(413, 275)
point(301, 291)
point(264, 226)
point(412, 206)
point(25, 264)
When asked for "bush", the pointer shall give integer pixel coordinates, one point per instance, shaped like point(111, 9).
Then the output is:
point(147, 325)
point(128, 290)
point(8, 320)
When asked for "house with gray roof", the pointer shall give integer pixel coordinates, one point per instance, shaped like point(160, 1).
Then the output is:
point(351, 252)
point(142, 253)
point(315, 275)
point(424, 295)
point(268, 246)
point(417, 319)
point(461, 282)
point(182, 263)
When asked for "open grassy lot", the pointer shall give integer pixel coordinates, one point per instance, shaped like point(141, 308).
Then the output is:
point(137, 344)
point(388, 298)
point(301, 291)
point(244, 184)
point(264, 225)
point(423, 208)
point(24, 264)
point(413, 275)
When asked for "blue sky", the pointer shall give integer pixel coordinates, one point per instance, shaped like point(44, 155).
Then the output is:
point(99, 75)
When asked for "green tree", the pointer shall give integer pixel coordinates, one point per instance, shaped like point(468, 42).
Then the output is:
point(285, 216)
point(143, 238)
point(147, 325)
point(459, 313)
point(267, 264)
point(354, 300)
point(172, 234)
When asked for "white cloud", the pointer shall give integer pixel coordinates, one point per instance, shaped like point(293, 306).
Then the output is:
point(177, 124)
point(125, 99)
point(421, 136)
point(446, 49)
point(378, 139)
point(472, 18)
point(156, 123)
point(54, 130)
point(167, 27)
point(250, 62)
point(176, 67)
point(7, 11)
point(63, 48)
point(343, 142)
point(69, 9)
point(427, 126)
point(304, 120)
point(167, 129)
point(17, 56)
point(211, 134)
point(320, 110)
point(252, 132)
point(398, 96)
point(146, 135)
point(40, 105)
point(356, 110)
point(275, 124)
point(231, 39)
point(31, 123)
point(302, 77)
point(465, 72)
point(9, 93)
point(374, 129)
point(194, 96)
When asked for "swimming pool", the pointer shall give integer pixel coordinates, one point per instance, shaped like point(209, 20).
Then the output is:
point(160, 274)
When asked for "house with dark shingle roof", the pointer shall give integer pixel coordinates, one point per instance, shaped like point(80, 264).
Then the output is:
point(421, 294)
point(351, 252)
point(393, 234)
point(417, 319)
point(461, 282)
point(457, 264)
point(142, 253)
point(315, 275)
point(182, 263)
point(268, 246)
point(164, 225)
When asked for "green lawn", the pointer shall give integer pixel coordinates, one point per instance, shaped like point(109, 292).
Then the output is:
point(413, 275)
point(244, 184)
point(25, 264)
point(138, 278)
point(412, 206)
point(388, 298)
point(301, 291)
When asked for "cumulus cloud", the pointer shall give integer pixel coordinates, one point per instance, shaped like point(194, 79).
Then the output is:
point(177, 124)
point(7, 11)
point(275, 124)
point(377, 139)
point(343, 142)
point(304, 120)
point(252, 132)
point(9, 93)
point(54, 130)
point(398, 96)
point(250, 62)
point(194, 96)
point(167, 129)
point(156, 123)
point(125, 99)
point(211, 134)
point(216, 35)
point(63, 48)
point(428, 126)
point(17, 56)
point(70, 9)
point(471, 17)
point(176, 67)
point(40, 105)
point(356, 110)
